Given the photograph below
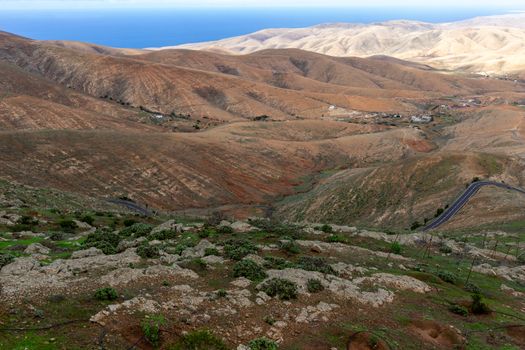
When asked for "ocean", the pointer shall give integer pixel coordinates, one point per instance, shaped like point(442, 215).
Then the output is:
point(142, 28)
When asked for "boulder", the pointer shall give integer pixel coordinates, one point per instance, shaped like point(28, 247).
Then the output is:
point(168, 225)
point(20, 266)
point(79, 254)
point(37, 248)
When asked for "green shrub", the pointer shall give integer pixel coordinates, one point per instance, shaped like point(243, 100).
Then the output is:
point(6, 259)
point(335, 238)
point(472, 288)
point(151, 328)
point(280, 287)
point(478, 307)
point(136, 230)
point(88, 219)
point(147, 251)
point(68, 225)
point(128, 222)
point(249, 269)
point(106, 293)
point(458, 309)
point(236, 249)
point(448, 277)
point(27, 220)
point(395, 248)
point(290, 247)
point(262, 344)
point(269, 319)
point(314, 286)
point(221, 293)
point(274, 262)
point(415, 225)
point(211, 251)
point(326, 228)
point(314, 263)
point(224, 229)
point(163, 235)
point(57, 236)
point(104, 240)
point(200, 340)
point(179, 248)
point(445, 249)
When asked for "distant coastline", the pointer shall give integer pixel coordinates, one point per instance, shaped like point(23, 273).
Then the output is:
point(155, 28)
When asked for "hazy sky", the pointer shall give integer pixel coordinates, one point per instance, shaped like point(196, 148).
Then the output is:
point(69, 4)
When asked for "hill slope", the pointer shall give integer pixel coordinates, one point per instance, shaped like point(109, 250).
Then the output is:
point(494, 45)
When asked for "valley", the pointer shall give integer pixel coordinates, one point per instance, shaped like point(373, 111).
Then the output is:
point(266, 191)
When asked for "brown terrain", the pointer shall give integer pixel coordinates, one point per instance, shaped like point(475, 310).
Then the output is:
point(283, 189)
point(193, 130)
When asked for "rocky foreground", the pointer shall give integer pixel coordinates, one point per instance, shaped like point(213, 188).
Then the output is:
point(114, 281)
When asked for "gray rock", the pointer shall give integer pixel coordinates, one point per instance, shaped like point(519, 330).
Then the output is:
point(79, 254)
point(168, 225)
point(20, 266)
point(37, 248)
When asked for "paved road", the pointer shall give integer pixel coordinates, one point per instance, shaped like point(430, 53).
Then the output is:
point(463, 199)
point(131, 205)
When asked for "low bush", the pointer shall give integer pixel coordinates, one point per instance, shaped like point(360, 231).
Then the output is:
point(104, 240)
point(249, 269)
point(236, 249)
point(128, 222)
point(211, 251)
point(200, 340)
point(458, 309)
point(88, 219)
point(68, 225)
point(224, 230)
point(314, 263)
point(274, 262)
point(336, 239)
point(448, 277)
point(136, 230)
point(326, 228)
point(6, 259)
point(222, 293)
point(280, 287)
point(314, 286)
point(445, 249)
point(147, 251)
point(290, 247)
point(163, 235)
point(262, 344)
point(106, 293)
point(151, 328)
point(395, 248)
point(472, 288)
point(57, 236)
point(478, 306)
point(27, 220)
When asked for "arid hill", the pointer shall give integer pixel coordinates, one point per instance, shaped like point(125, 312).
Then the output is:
point(332, 133)
point(493, 45)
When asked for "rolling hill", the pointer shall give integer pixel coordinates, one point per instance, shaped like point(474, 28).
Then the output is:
point(492, 45)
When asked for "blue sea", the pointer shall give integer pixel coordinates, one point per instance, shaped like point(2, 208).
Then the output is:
point(139, 28)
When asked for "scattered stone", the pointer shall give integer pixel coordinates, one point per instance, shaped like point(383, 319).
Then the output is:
point(314, 313)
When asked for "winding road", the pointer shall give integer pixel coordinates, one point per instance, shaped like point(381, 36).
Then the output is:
point(471, 190)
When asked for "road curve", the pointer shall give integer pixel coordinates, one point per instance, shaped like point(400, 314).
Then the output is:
point(131, 205)
point(471, 190)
